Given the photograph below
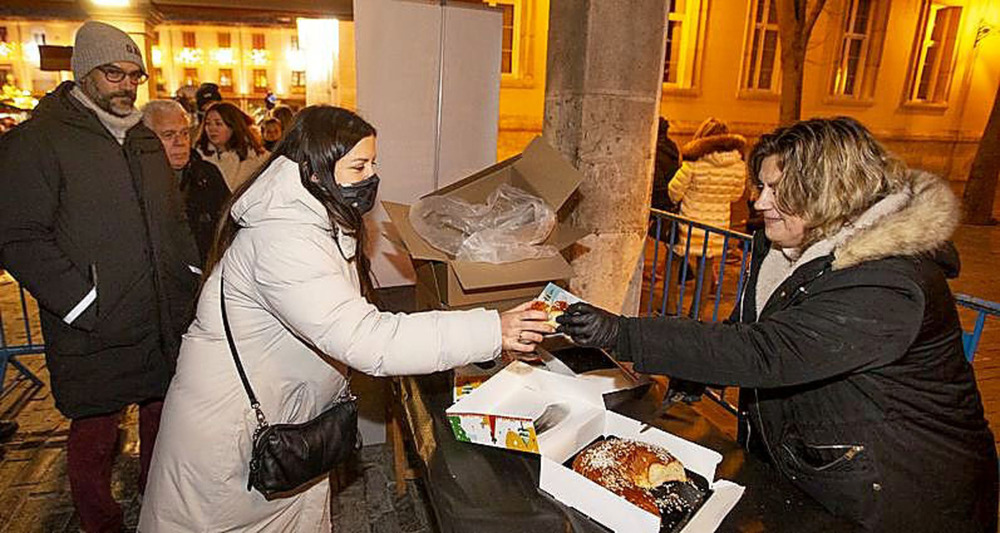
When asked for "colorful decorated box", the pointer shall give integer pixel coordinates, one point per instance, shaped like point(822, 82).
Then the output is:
point(529, 409)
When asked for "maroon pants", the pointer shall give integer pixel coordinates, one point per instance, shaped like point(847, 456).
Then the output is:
point(91, 452)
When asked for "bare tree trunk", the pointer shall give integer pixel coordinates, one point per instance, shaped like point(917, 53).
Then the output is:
point(796, 19)
point(793, 59)
point(980, 190)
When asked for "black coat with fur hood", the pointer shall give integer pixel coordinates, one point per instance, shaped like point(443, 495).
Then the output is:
point(78, 211)
point(854, 382)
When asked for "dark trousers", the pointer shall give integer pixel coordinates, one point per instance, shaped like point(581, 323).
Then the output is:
point(91, 451)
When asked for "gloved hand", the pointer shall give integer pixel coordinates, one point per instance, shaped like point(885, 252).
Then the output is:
point(589, 326)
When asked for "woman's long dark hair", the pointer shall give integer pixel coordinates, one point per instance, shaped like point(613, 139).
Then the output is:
point(318, 138)
point(241, 141)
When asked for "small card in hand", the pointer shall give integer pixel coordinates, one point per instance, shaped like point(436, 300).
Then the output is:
point(554, 300)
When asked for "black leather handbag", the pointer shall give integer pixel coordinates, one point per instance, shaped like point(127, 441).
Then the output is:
point(286, 457)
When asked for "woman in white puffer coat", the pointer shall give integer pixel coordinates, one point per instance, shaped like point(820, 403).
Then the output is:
point(296, 280)
point(712, 177)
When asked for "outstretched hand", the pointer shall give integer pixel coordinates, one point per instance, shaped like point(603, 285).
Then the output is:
point(589, 326)
point(522, 328)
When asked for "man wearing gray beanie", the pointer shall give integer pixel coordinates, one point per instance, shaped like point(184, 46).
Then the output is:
point(91, 223)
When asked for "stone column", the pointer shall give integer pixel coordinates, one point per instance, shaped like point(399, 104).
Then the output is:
point(602, 94)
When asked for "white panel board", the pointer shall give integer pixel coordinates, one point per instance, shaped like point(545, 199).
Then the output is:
point(471, 96)
point(403, 73)
point(398, 49)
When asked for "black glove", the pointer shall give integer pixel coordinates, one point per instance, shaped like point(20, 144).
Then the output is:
point(589, 326)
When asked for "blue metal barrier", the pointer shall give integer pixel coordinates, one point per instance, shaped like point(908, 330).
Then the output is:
point(666, 228)
point(970, 339)
point(10, 352)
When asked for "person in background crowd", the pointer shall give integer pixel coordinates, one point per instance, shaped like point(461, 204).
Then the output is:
point(91, 223)
point(185, 96)
point(296, 275)
point(668, 160)
point(285, 115)
point(712, 177)
point(206, 95)
point(201, 184)
point(227, 142)
point(846, 343)
point(270, 131)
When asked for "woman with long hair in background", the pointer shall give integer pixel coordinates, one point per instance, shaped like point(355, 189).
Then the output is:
point(228, 142)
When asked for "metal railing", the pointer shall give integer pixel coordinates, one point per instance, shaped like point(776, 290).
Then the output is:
point(666, 290)
point(27, 343)
point(673, 227)
point(983, 308)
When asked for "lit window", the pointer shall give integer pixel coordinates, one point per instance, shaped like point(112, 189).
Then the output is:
point(682, 38)
point(226, 80)
point(936, 54)
point(161, 84)
point(225, 39)
point(860, 48)
point(259, 41)
point(760, 65)
point(188, 39)
point(510, 28)
point(507, 40)
point(260, 80)
point(298, 81)
point(190, 76)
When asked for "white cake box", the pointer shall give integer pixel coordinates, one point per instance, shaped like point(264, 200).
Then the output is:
point(502, 413)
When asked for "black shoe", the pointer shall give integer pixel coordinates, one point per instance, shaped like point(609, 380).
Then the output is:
point(7, 429)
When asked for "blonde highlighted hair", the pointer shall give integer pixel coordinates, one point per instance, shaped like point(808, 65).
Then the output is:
point(709, 127)
point(832, 170)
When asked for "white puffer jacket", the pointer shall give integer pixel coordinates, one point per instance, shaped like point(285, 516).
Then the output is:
point(712, 177)
point(299, 322)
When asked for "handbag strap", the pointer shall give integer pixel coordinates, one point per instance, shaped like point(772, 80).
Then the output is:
point(261, 419)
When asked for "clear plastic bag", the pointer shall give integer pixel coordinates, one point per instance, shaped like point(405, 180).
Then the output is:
point(509, 227)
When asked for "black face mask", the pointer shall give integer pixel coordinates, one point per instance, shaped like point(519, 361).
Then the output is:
point(361, 195)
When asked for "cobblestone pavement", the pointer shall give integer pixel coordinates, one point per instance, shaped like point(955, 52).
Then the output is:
point(34, 490)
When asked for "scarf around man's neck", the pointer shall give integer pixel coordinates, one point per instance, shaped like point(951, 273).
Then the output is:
point(117, 126)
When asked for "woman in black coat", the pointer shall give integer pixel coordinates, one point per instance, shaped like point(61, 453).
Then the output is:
point(846, 343)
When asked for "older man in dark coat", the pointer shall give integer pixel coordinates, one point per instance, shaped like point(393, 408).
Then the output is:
point(91, 223)
point(202, 186)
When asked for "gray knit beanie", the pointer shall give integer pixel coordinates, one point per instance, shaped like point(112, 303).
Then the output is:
point(98, 44)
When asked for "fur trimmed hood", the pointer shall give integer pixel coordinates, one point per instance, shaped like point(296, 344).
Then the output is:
point(923, 223)
point(699, 148)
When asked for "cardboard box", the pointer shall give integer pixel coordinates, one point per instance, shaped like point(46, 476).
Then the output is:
point(539, 170)
point(468, 378)
point(502, 411)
